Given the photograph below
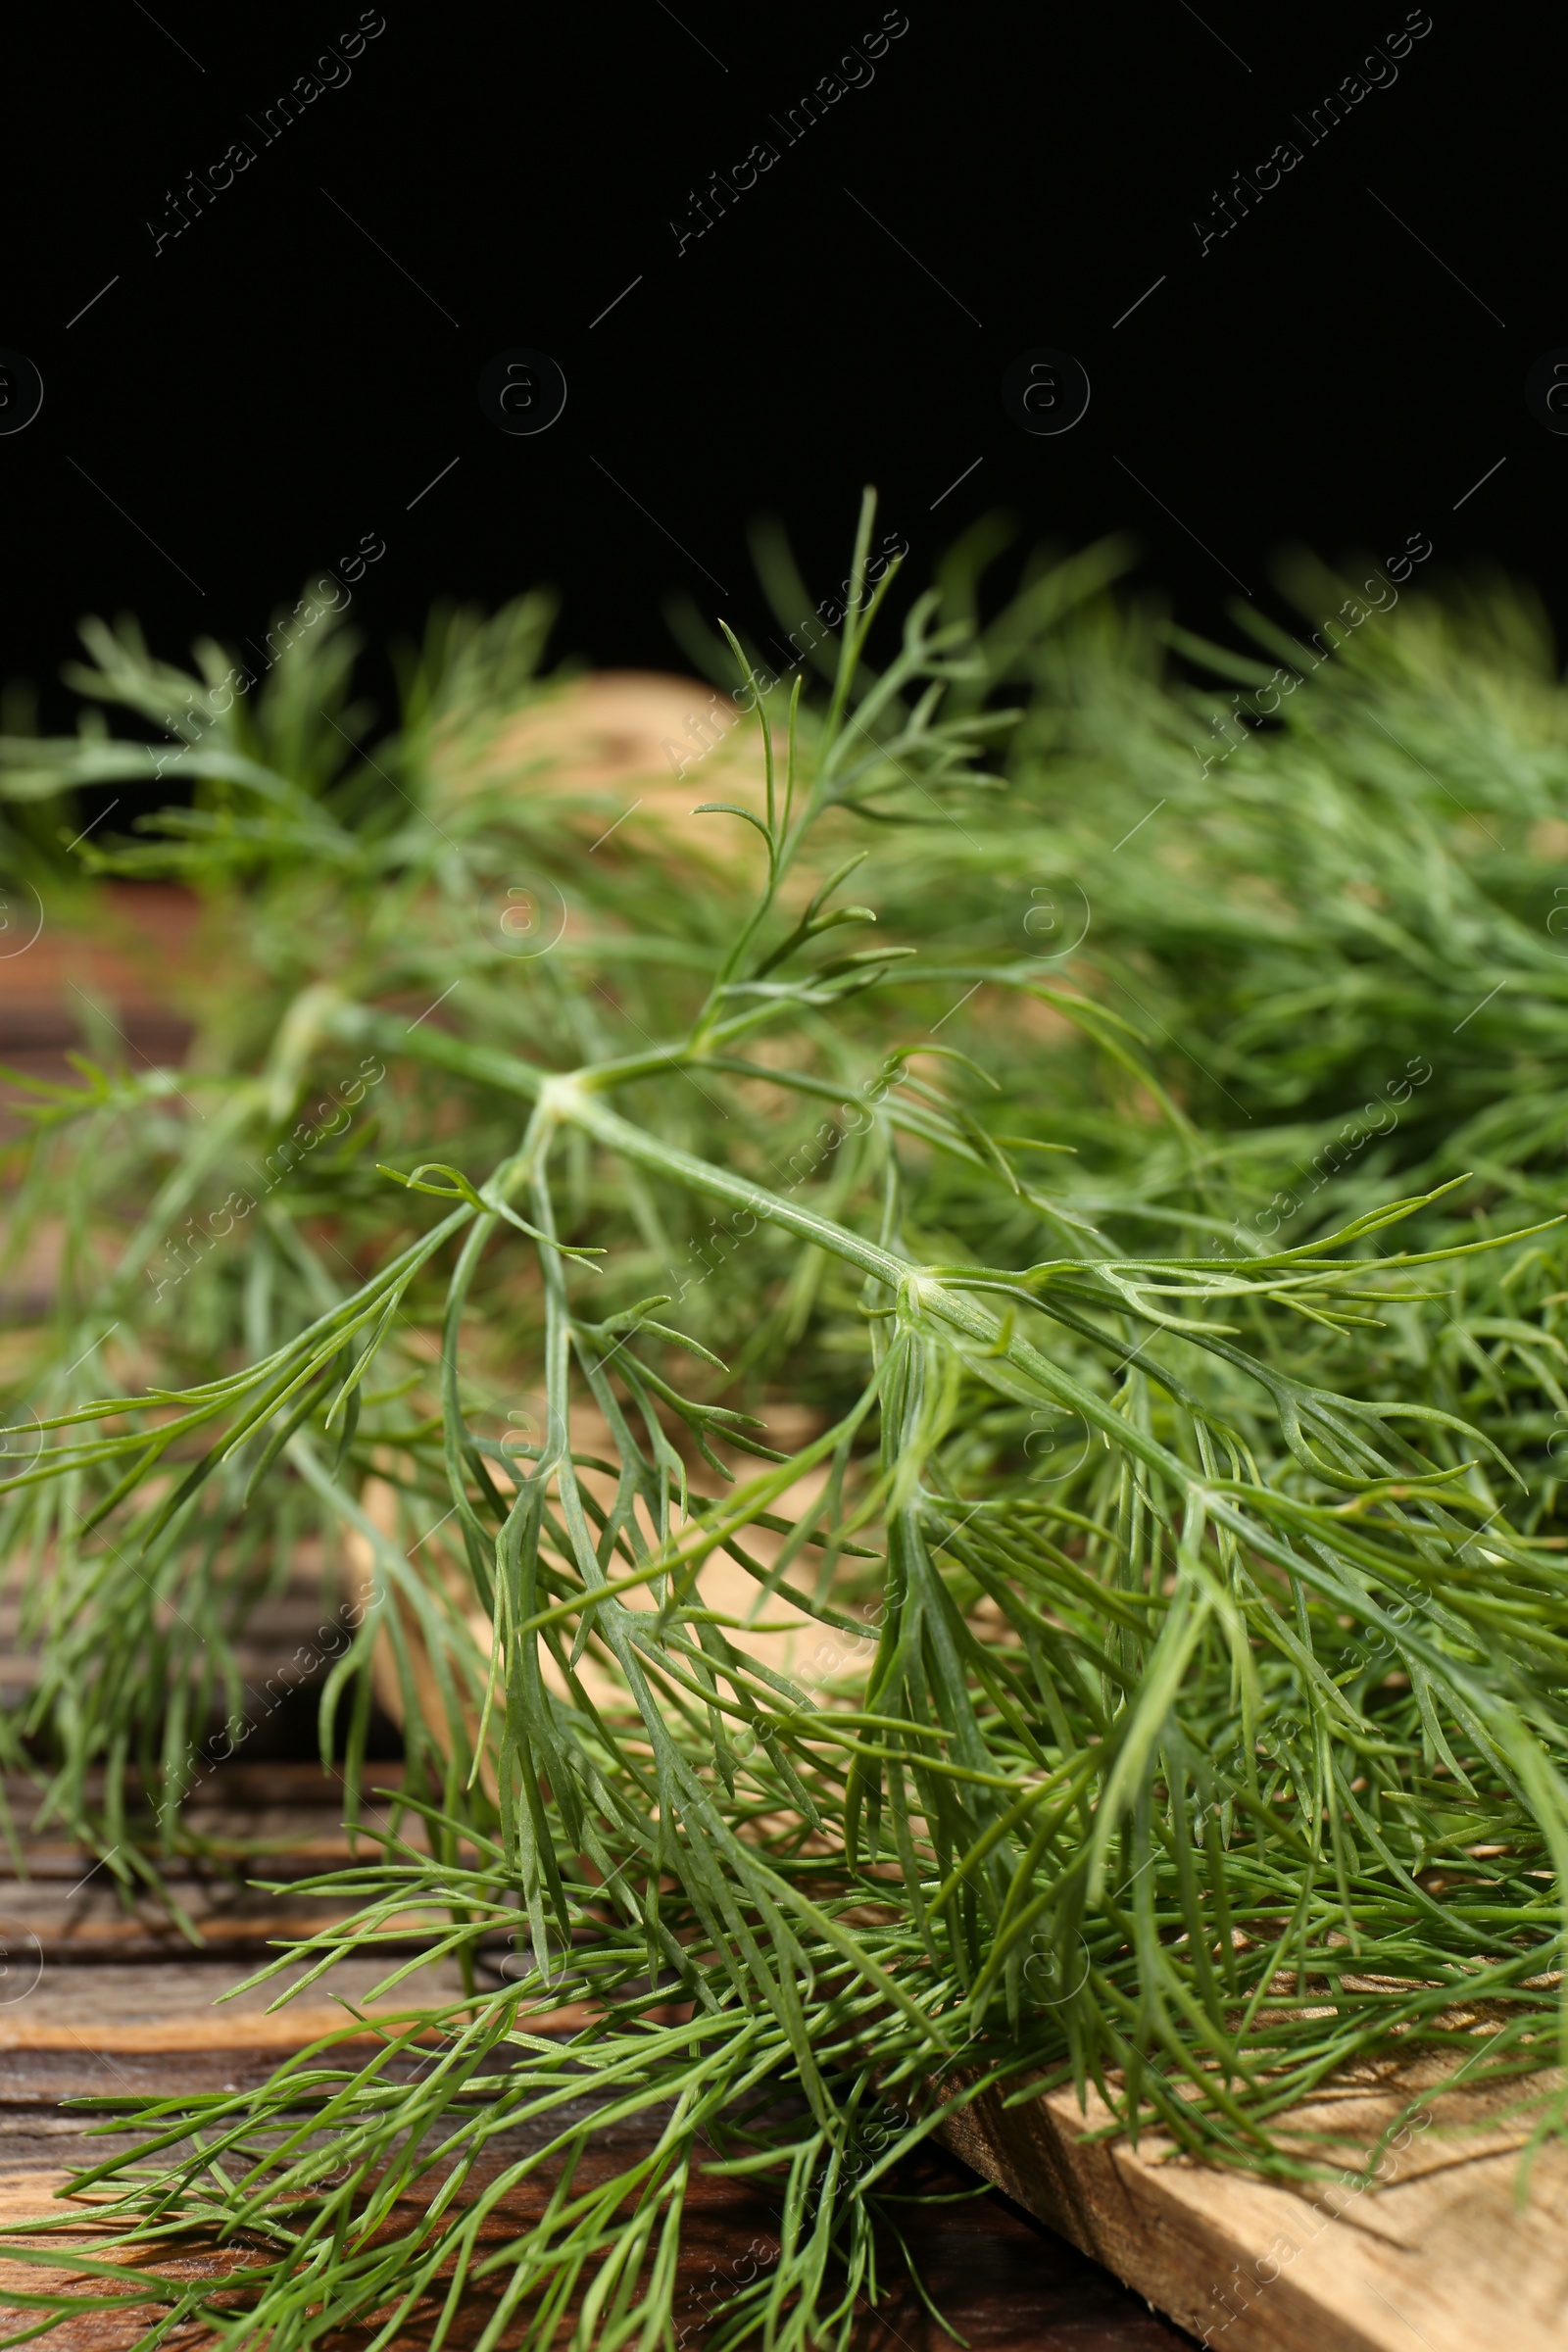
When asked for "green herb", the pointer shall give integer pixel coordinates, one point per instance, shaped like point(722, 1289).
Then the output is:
point(1203, 1731)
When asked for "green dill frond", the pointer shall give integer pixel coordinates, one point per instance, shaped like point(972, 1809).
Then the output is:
point(910, 1557)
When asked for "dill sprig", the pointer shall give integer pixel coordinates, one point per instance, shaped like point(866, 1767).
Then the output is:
point(1192, 1724)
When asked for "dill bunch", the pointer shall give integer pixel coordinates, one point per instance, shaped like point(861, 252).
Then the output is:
point(1185, 1720)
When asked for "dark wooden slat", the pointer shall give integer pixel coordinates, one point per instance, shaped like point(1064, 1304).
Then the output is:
point(1001, 2280)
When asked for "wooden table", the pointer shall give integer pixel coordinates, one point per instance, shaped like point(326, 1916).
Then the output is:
point(97, 1997)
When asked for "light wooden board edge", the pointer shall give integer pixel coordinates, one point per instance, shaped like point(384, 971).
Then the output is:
point(1434, 2258)
point(222, 2030)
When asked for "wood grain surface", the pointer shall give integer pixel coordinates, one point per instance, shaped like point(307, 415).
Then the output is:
point(1421, 2257)
point(94, 2015)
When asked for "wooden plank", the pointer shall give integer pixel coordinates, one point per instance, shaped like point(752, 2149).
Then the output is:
point(1242, 2262)
point(84, 2004)
point(291, 2029)
point(1002, 2283)
point(44, 1921)
point(1249, 2266)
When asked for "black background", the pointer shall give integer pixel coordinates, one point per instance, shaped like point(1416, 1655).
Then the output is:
point(281, 379)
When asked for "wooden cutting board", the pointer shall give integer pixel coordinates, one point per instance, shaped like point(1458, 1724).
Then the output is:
point(1432, 2256)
